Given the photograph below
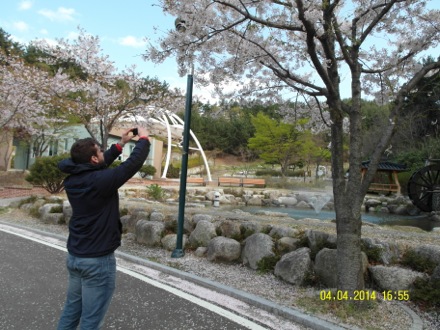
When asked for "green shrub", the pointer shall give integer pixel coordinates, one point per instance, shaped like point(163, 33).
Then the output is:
point(56, 209)
point(303, 240)
point(173, 172)
point(147, 170)
point(417, 262)
point(303, 183)
point(246, 231)
point(310, 279)
point(426, 292)
point(267, 264)
point(34, 211)
point(44, 172)
point(30, 200)
point(373, 253)
point(195, 161)
point(277, 173)
point(320, 244)
point(265, 229)
point(156, 192)
point(267, 173)
point(403, 180)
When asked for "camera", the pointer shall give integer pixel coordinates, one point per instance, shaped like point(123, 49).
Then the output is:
point(135, 131)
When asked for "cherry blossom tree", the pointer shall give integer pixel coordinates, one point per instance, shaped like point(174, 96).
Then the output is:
point(103, 95)
point(322, 49)
point(27, 95)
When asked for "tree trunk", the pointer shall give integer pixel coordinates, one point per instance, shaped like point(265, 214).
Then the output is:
point(348, 214)
point(6, 149)
point(348, 227)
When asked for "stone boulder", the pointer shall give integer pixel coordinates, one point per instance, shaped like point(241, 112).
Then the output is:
point(54, 199)
point(223, 249)
point(200, 251)
point(255, 201)
point(67, 211)
point(140, 214)
point(272, 194)
point(230, 229)
point(326, 266)
point(398, 209)
point(202, 234)
point(129, 237)
point(188, 224)
point(272, 214)
point(250, 228)
point(287, 244)
point(149, 232)
point(372, 203)
point(317, 240)
point(29, 206)
point(157, 216)
point(279, 231)
point(198, 217)
point(129, 223)
point(48, 216)
point(294, 267)
point(171, 223)
point(288, 201)
point(386, 252)
point(53, 218)
point(47, 209)
point(257, 247)
point(228, 199)
point(169, 241)
point(394, 278)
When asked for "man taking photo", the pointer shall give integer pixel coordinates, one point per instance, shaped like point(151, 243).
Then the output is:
point(95, 228)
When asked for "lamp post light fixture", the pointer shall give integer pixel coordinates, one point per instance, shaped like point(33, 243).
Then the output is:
point(179, 251)
point(180, 24)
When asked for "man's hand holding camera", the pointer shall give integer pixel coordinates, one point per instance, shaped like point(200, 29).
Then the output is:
point(126, 136)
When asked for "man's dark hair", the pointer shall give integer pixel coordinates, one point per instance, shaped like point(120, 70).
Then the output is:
point(83, 149)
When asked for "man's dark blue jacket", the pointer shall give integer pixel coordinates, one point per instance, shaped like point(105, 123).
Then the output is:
point(95, 227)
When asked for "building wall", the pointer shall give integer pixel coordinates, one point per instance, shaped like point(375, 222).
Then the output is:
point(25, 155)
point(156, 153)
point(24, 150)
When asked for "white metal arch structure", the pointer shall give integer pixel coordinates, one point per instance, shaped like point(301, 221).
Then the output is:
point(161, 119)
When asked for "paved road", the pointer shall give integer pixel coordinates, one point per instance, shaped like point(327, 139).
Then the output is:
point(33, 281)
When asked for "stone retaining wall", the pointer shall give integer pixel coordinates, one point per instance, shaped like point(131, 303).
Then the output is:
point(293, 255)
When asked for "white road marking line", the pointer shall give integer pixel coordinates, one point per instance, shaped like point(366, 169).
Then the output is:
point(38, 240)
point(211, 307)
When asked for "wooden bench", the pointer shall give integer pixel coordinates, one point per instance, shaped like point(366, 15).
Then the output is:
point(200, 181)
point(253, 182)
point(229, 181)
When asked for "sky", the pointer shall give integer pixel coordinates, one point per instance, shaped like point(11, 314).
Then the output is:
point(124, 29)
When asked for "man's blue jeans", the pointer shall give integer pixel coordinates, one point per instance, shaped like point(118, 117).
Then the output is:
point(91, 287)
